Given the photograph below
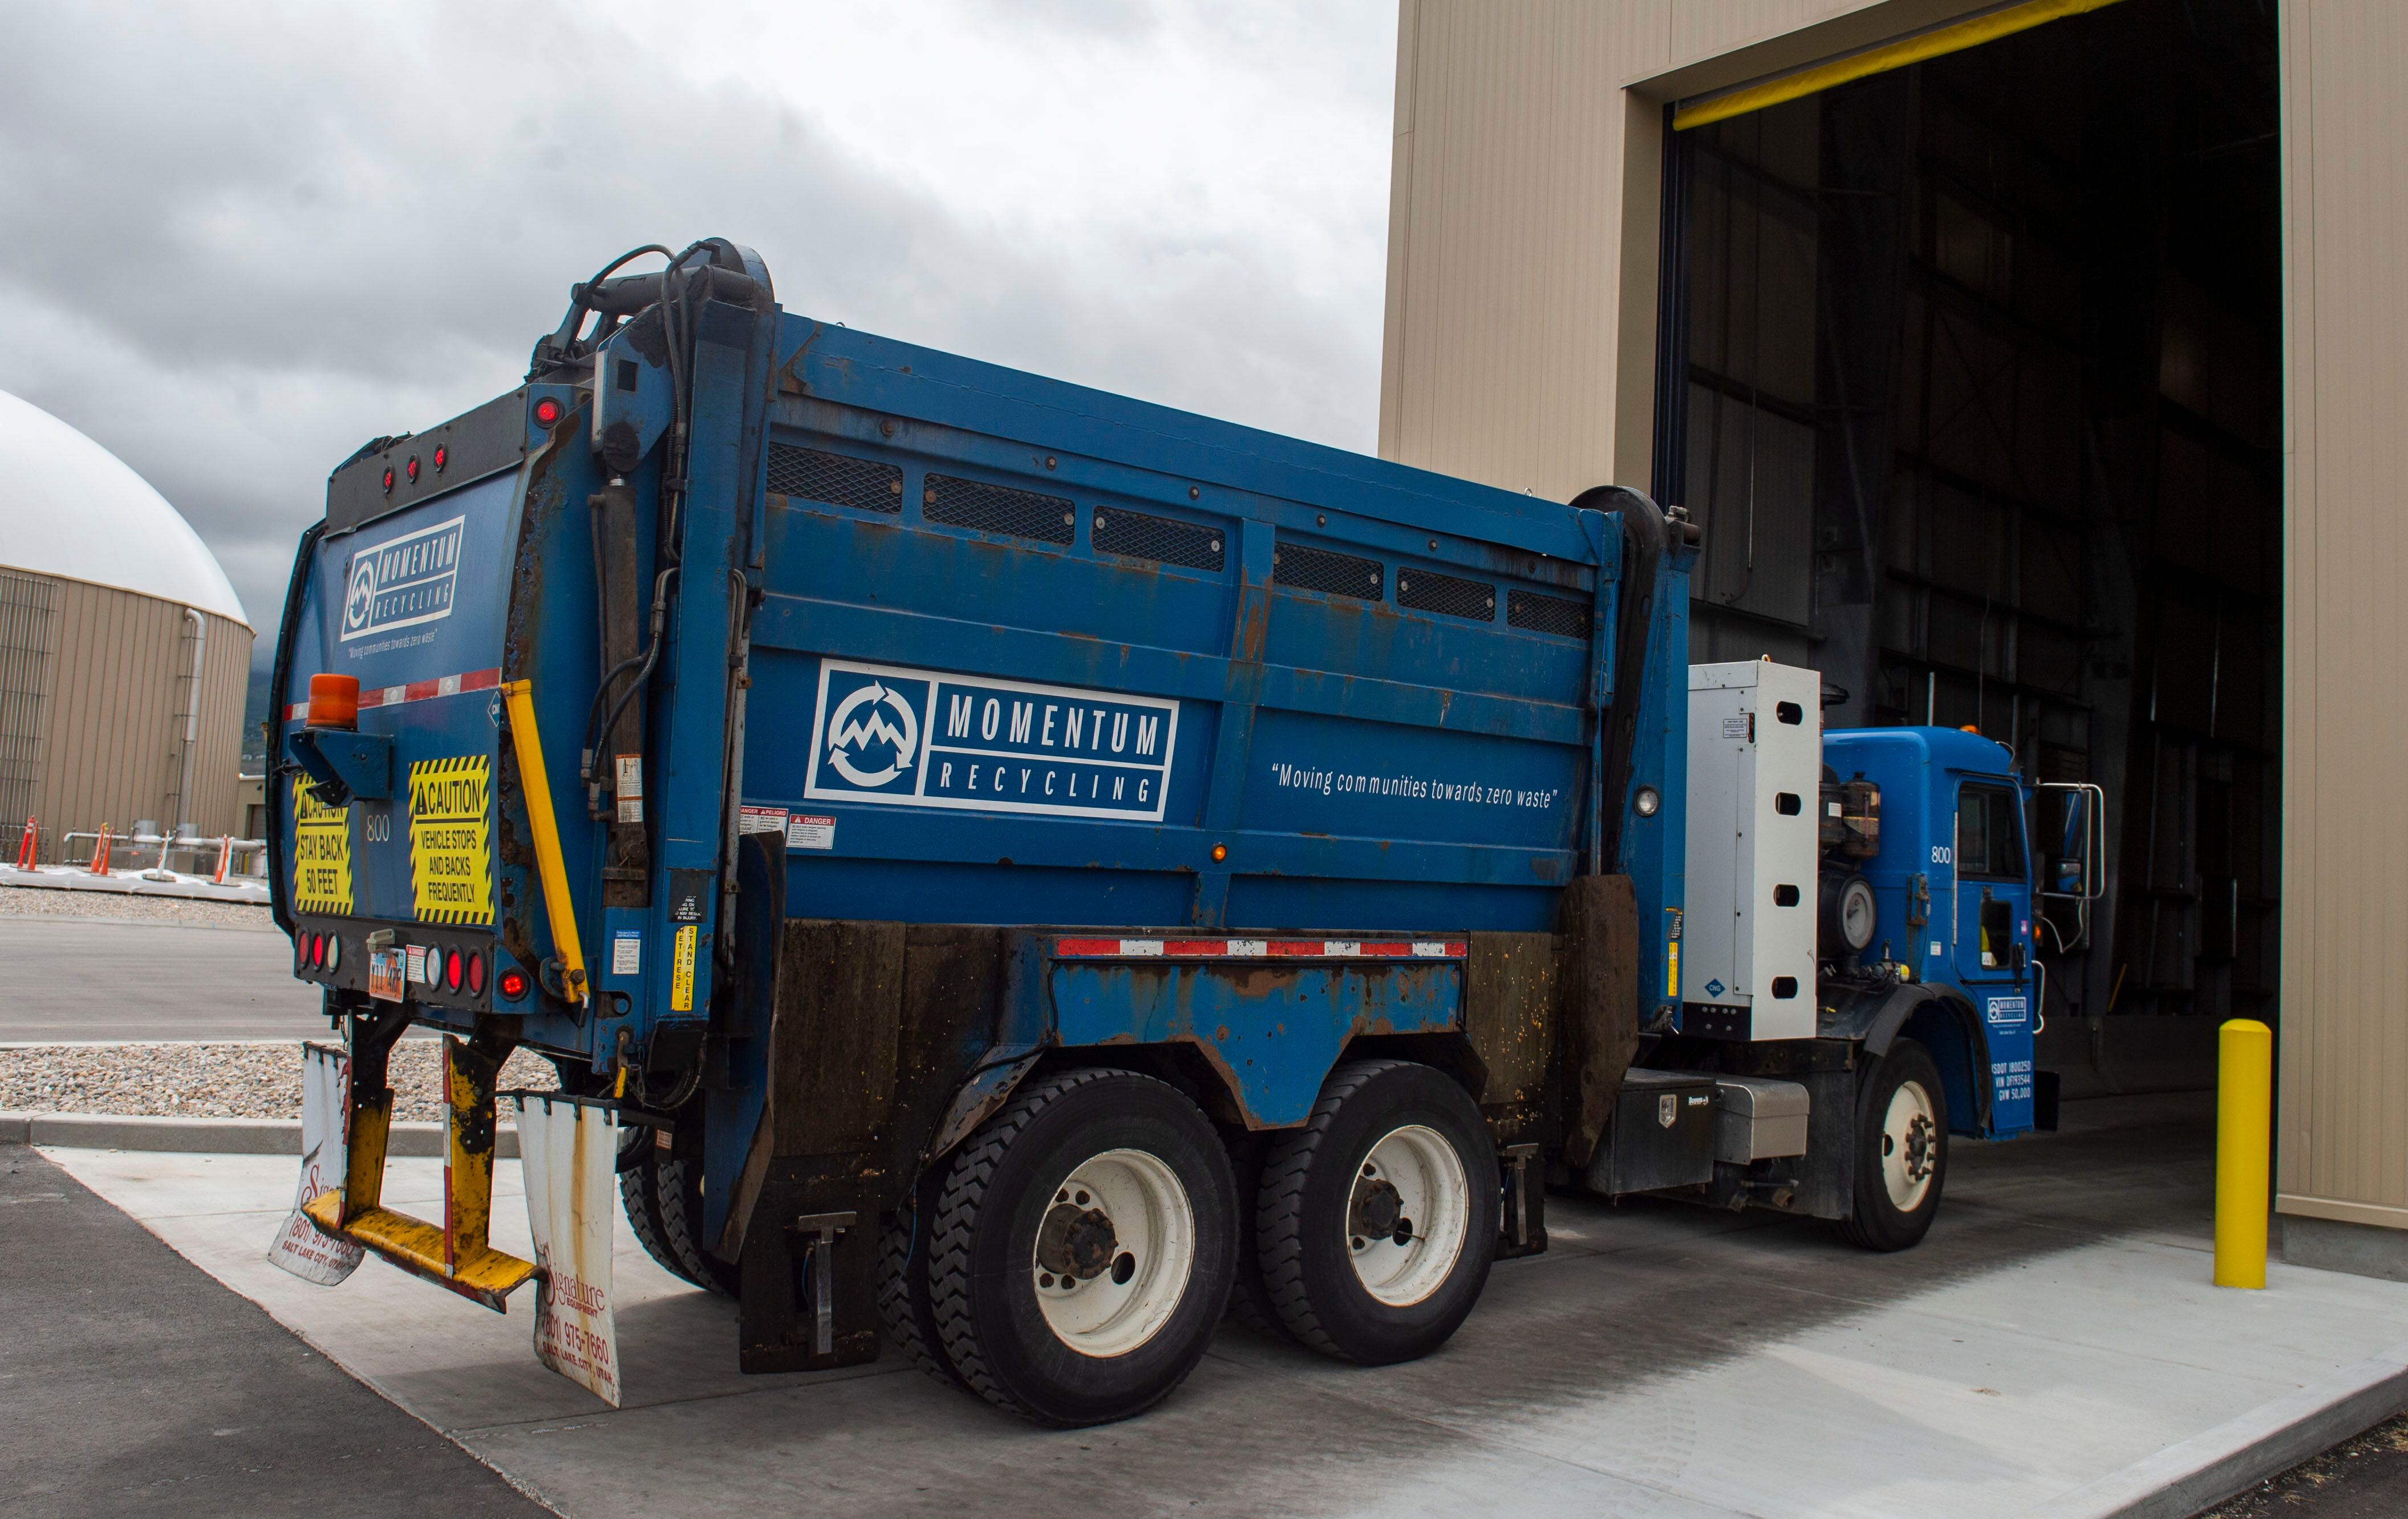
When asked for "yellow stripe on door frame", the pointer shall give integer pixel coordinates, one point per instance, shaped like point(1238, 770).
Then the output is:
point(1934, 42)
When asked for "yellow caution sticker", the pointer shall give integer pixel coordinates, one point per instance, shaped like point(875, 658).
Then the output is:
point(681, 970)
point(1672, 969)
point(450, 840)
point(322, 853)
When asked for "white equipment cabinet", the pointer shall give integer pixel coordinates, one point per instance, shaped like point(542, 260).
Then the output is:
point(1756, 771)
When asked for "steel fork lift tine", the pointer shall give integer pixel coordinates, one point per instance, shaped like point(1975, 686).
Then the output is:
point(455, 1253)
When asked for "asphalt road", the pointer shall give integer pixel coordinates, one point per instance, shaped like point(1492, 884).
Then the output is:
point(2366, 1478)
point(66, 979)
point(137, 1385)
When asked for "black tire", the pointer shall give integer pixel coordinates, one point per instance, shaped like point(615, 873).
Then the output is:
point(1250, 1302)
point(1880, 1222)
point(1302, 1218)
point(903, 1303)
point(643, 1208)
point(1005, 1182)
point(677, 1192)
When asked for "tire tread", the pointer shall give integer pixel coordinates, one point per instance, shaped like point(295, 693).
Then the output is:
point(958, 1204)
point(1281, 1197)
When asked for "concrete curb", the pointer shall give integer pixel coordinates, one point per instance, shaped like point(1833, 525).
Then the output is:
point(2267, 1441)
point(212, 1136)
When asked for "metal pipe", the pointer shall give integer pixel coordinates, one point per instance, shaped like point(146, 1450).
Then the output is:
point(192, 728)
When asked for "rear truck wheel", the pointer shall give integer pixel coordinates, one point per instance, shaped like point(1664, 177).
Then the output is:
point(1902, 1142)
point(644, 1210)
point(903, 1302)
point(1081, 1247)
point(1250, 1304)
point(662, 1195)
point(1377, 1221)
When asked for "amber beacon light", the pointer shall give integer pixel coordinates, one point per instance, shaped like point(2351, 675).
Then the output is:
point(334, 701)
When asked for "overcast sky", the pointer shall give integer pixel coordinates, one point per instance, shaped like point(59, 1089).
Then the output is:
point(243, 239)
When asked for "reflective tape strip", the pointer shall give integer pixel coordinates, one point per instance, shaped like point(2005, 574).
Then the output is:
point(447, 685)
point(1255, 949)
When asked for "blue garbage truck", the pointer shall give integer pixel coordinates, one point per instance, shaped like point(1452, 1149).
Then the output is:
point(1033, 872)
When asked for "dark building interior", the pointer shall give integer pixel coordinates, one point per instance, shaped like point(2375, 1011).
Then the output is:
point(1972, 373)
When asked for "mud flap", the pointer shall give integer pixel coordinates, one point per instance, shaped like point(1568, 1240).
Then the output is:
point(301, 1247)
point(809, 1296)
point(569, 1150)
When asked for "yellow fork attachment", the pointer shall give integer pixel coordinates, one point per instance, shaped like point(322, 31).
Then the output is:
point(454, 1253)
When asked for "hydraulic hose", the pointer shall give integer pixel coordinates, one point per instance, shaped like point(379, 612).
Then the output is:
point(1646, 537)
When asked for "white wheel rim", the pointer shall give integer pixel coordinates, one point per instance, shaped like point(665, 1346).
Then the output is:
point(1433, 1204)
point(1151, 1228)
point(1910, 1146)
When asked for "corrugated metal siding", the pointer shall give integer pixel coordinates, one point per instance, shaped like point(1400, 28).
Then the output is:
point(1522, 202)
point(28, 632)
point(119, 686)
point(2342, 1138)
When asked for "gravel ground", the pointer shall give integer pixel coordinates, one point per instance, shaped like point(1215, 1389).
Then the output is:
point(33, 902)
point(219, 1080)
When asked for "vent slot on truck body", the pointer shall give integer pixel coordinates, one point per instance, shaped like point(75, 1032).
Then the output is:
point(998, 509)
point(838, 478)
point(1559, 615)
point(1331, 574)
point(1166, 540)
point(1427, 591)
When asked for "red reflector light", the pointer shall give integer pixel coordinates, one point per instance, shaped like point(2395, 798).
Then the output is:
point(546, 411)
point(452, 971)
point(300, 953)
point(388, 479)
point(513, 985)
point(334, 701)
point(318, 951)
point(411, 469)
point(476, 975)
point(442, 457)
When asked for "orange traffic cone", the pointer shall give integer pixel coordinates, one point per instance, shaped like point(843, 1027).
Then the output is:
point(225, 856)
point(25, 847)
point(100, 853)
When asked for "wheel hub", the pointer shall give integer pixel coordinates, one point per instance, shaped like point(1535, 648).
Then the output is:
point(1919, 1148)
point(1077, 1242)
point(1377, 1210)
point(1115, 1250)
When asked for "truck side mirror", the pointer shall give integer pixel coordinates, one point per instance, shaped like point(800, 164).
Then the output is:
point(2077, 858)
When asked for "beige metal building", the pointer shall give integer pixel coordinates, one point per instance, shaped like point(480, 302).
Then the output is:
point(2037, 366)
point(125, 653)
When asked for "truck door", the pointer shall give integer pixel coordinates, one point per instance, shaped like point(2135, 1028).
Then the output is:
point(1993, 922)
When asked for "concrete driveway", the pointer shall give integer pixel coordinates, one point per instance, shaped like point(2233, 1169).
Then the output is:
point(2055, 1336)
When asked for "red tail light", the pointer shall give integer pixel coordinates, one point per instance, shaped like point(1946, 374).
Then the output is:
point(442, 457)
point(546, 411)
point(388, 479)
point(513, 985)
point(411, 469)
point(318, 951)
point(452, 971)
point(476, 975)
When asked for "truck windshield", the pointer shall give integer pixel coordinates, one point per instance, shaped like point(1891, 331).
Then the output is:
point(1989, 833)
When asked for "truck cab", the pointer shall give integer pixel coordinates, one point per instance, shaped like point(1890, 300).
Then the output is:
point(1954, 894)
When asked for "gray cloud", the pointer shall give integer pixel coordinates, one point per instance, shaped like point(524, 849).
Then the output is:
point(244, 239)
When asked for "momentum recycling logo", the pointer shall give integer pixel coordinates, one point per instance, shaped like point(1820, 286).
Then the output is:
point(872, 734)
point(403, 580)
point(907, 737)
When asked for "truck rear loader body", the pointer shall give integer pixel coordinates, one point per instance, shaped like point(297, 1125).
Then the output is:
point(1026, 871)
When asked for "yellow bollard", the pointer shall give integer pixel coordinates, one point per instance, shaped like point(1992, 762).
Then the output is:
point(2244, 1099)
